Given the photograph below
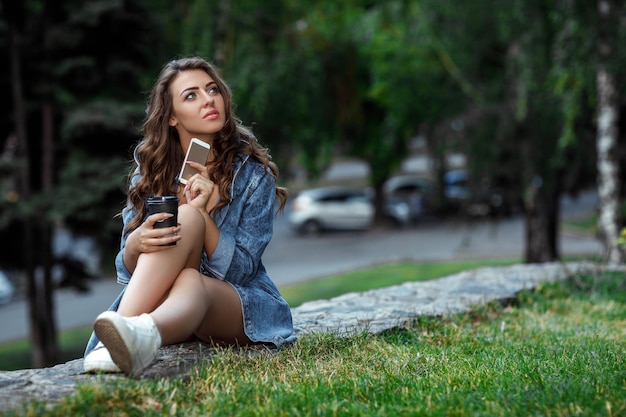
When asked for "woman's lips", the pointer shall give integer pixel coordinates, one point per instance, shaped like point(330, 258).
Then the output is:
point(212, 115)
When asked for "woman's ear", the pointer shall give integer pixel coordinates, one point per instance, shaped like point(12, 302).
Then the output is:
point(173, 121)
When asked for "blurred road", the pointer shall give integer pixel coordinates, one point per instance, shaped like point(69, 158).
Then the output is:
point(290, 258)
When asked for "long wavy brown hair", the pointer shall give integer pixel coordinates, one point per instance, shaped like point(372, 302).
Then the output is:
point(159, 154)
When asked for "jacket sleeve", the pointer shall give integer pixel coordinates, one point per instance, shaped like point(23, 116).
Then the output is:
point(237, 256)
point(123, 275)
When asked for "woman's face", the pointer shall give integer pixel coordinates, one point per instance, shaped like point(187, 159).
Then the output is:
point(198, 108)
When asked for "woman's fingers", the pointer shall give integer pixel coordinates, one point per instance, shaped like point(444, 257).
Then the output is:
point(153, 238)
point(198, 190)
point(155, 218)
point(202, 169)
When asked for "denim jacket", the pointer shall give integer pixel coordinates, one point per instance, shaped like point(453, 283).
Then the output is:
point(246, 227)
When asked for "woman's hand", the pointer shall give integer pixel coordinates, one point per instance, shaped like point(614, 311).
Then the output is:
point(150, 239)
point(200, 191)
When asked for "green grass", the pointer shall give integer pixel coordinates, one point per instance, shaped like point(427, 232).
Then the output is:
point(559, 351)
point(16, 355)
point(379, 277)
point(587, 224)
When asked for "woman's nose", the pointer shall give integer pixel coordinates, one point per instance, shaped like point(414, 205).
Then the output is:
point(208, 98)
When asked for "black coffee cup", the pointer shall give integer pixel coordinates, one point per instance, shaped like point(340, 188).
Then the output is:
point(164, 204)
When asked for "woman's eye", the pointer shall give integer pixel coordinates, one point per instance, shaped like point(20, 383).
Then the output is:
point(213, 91)
point(190, 96)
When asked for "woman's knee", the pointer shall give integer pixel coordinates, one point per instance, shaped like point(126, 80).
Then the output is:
point(189, 285)
point(212, 290)
point(192, 227)
point(189, 216)
point(191, 277)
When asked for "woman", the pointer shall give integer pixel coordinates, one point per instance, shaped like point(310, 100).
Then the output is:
point(211, 284)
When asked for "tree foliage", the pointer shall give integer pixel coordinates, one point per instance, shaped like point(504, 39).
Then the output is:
point(92, 84)
point(62, 173)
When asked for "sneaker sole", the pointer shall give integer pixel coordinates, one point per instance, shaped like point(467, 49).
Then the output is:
point(101, 368)
point(106, 329)
point(98, 366)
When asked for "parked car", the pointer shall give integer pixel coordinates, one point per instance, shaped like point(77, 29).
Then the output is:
point(415, 192)
point(397, 213)
point(6, 288)
point(481, 199)
point(322, 209)
point(331, 208)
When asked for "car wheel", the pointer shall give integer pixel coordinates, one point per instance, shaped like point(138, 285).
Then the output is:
point(311, 227)
point(393, 222)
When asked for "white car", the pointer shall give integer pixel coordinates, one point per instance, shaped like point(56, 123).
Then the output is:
point(331, 208)
point(6, 288)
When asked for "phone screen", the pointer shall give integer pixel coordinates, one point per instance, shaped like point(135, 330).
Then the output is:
point(198, 151)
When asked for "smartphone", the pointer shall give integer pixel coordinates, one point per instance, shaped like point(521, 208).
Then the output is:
point(198, 151)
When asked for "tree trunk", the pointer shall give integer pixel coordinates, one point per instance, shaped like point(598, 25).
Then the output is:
point(542, 219)
point(13, 15)
point(39, 302)
point(380, 218)
point(607, 140)
point(48, 320)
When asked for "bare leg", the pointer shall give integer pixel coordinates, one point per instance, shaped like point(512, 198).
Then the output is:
point(179, 298)
point(156, 272)
point(198, 304)
point(164, 302)
point(223, 321)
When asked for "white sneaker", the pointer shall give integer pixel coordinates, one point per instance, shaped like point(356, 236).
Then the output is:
point(133, 342)
point(99, 360)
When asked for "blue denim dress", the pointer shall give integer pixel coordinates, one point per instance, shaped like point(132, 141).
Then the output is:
point(246, 227)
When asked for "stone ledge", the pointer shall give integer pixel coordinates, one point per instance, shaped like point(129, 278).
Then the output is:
point(375, 311)
point(382, 309)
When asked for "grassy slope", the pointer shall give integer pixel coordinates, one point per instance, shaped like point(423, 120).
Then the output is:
point(559, 352)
